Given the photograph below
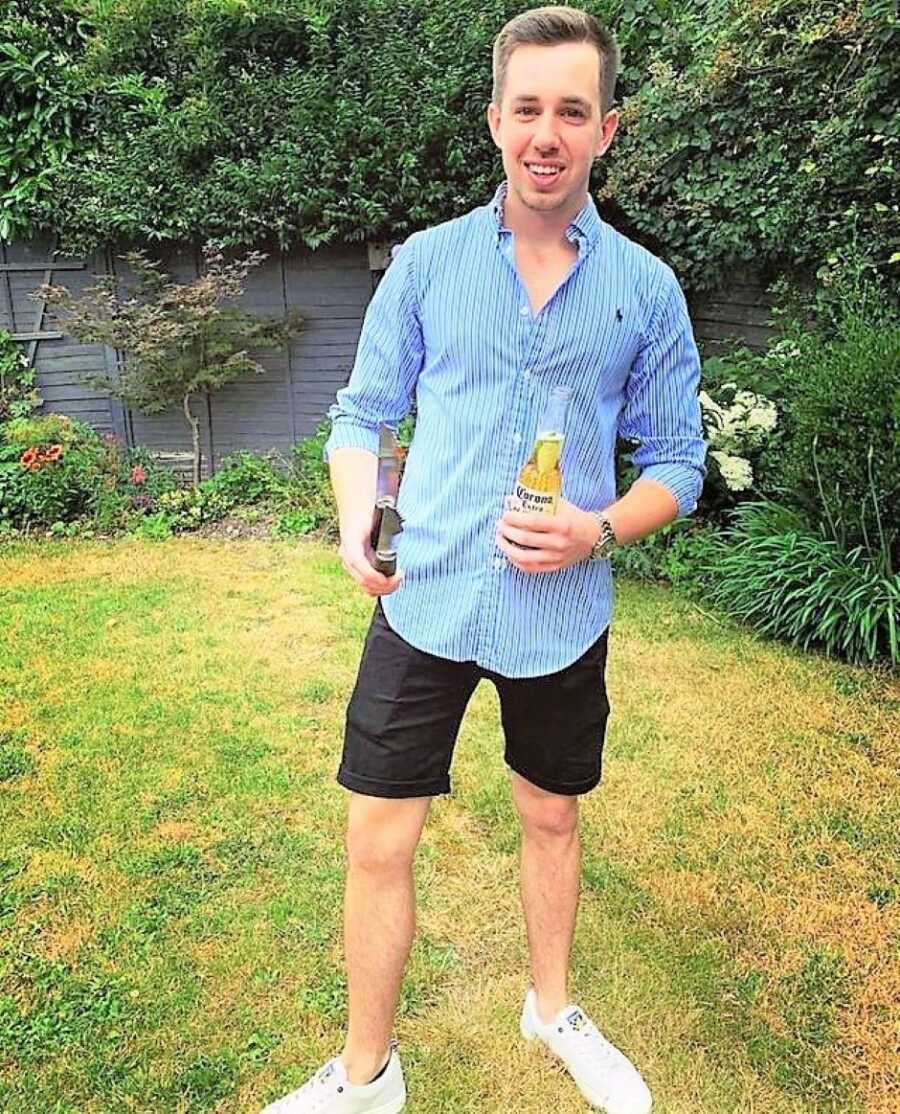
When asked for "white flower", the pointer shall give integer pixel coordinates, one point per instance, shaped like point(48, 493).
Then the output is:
point(763, 417)
point(708, 403)
point(736, 471)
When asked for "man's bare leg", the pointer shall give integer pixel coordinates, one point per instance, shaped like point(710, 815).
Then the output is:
point(379, 922)
point(550, 879)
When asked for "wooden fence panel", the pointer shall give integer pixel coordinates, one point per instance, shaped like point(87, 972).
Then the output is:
point(739, 314)
point(331, 289)
point(60, 362)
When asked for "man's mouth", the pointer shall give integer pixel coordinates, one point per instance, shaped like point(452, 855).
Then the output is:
point(543, 174)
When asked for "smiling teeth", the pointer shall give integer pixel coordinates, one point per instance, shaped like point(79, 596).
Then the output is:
point(546, 171)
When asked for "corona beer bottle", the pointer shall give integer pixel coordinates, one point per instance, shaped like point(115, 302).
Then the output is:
point(539, 485)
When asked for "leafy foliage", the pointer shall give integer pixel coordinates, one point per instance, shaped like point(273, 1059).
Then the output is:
point(766, 132)
point(18, 393)
point(246, 479)
point(763, 133)
point(41, 97)
point(310, 486)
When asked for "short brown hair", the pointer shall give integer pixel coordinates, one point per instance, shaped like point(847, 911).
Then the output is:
point(549, 27)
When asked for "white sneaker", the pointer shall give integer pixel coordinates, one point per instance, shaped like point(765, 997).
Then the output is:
point(330, 1092)
point(604, 1075)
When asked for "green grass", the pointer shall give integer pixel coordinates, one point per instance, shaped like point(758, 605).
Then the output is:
point(171, 857)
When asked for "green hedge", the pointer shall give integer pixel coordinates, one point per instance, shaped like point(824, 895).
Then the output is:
point(763, 133)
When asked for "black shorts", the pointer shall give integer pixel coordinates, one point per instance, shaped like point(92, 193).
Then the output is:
point(406, 708)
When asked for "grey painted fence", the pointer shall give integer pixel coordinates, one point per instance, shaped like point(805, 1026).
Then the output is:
point(330, 287)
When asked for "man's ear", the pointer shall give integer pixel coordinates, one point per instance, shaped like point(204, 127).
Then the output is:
point(608, 129)
point(493, 119)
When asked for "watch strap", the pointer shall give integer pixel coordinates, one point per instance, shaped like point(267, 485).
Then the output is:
point(605, 544)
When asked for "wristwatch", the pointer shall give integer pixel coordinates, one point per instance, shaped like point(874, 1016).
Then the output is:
point(606, 543)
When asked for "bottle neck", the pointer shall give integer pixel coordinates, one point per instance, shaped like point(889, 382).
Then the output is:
point(553, 419)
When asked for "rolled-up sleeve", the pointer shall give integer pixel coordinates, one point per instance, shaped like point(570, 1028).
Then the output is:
point(662, 409)
point(388, 360)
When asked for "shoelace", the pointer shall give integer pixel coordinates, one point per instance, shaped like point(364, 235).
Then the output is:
point(314, 1094)
point(605, 1051)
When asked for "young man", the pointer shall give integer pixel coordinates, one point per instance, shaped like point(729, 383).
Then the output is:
point(477, 319)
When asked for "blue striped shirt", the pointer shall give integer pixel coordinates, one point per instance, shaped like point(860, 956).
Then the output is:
point(451, 329)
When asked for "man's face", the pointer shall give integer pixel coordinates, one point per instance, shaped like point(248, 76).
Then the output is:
point(549, 126)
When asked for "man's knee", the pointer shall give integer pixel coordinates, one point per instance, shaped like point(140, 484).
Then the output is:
point(382, 834)
point(545, 815)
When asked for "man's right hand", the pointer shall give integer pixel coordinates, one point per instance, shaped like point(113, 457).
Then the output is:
point(358, 556)
point(354, 478)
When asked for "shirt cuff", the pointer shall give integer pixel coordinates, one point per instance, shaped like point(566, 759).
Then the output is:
point(346, 434)
point(683, 482)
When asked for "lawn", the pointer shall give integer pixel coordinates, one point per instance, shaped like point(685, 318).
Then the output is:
point(171, 860)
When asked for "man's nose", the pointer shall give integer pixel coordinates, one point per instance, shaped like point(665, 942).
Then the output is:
point(545, 133)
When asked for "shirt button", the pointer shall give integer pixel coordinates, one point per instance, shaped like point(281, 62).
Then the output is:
point(517, 437)
point(524, 311)
point(499, 562)
point(526, 374)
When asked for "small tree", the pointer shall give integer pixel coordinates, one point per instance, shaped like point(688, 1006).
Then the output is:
point(179, 339)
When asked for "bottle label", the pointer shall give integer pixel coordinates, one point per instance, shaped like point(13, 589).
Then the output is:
point(535, 501)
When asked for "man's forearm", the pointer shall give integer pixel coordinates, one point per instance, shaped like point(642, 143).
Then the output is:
point(645, 507)
point(354, 478)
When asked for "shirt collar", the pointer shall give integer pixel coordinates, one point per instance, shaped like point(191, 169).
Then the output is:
point(586, 225)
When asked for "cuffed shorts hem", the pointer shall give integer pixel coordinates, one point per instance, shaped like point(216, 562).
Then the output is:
point(371, 787)
point(566, 789)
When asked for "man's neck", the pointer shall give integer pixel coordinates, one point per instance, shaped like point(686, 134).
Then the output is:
point(542, 231)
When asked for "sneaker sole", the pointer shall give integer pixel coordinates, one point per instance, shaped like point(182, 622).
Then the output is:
point(392, 1107)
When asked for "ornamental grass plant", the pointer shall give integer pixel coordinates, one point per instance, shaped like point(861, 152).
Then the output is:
point(771, 571)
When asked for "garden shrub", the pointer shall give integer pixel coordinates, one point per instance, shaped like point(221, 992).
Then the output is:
point(294, 523)
point(245, 479)
point(52, 469)
point(764, 134)
point(189, 507)
point(676, 554)
point(835, 452)
point(771, 571)
point(309, 488)
point(840, 458)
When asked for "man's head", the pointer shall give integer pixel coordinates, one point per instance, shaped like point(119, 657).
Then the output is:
point(554, 81)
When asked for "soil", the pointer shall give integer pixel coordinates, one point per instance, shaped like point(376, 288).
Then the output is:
point(232, 528)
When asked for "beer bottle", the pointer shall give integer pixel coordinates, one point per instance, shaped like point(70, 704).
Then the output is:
point(539, 485)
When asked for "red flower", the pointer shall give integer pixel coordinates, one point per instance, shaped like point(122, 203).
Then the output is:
point(138, 475)
point(30, 459)
point(53, 453)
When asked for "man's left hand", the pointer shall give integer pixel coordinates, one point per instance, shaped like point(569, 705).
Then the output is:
point(555, 540)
